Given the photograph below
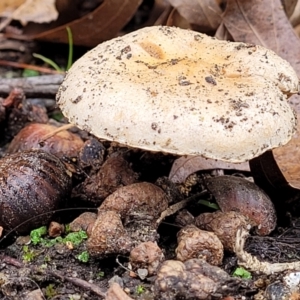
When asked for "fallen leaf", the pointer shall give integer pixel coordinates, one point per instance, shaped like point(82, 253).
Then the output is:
point(8, 7)
point(38, 11)
point(289, 6)
point(240, 195)
point(295, 17)
point(100, 25)
point(265, 23)
point(206, 14)
point(187, 165)
point(176, 19)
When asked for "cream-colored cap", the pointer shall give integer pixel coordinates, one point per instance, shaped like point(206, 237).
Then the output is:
point(182, 92)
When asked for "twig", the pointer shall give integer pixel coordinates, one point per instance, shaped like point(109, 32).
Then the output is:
point(38, 86)
point(54, 132)
point(178, 206)
point(11, 261)
point(27, 66)
point(79, 282)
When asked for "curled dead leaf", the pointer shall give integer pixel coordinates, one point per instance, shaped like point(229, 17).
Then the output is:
point(268, 25)
point(100, 25)
point(187, 165)
point(42, 11)
point(205, 14)
point(245, 197)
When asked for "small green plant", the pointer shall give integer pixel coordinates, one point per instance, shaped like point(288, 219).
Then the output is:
point(70, 55)
point(83, 256)
point(242, 273)
point(140, 289)
point(28, 254)
point(47, 258)
point(50, 291)
point(209, 204)
point(76, 238)
point(100, 274)
point(30, 73)
point(36, 235)
point(67, 228)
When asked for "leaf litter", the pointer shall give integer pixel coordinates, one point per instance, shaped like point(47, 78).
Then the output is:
point(63, 271)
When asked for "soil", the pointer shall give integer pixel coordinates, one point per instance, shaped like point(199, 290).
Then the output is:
point(57, 271)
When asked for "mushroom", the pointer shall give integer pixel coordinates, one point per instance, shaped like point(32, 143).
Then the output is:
point(179, 91)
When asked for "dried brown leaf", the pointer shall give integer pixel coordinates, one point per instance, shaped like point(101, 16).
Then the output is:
point(206, 14)
point(243, 196)
point(264, 22)
point(100, 25)
point(289, 6)
point(41, 11)
point(186, 165)
point(295, 17)
point(8, 7)
point(176, 19)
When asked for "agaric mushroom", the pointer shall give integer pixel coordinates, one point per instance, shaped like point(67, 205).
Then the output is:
point(182, 92)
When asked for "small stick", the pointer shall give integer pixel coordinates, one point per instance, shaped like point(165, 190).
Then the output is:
point(80, 282)
point(31, 67)
point(54, 132)
point(178, 206)
point(37, 86)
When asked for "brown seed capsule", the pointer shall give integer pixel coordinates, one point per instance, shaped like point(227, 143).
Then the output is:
point(224, 225)
point(146, 255)
point(114, 173)
point(108, 236)
point(63, 143)
point(31, 184)
point(196, 243)
point(245, 197)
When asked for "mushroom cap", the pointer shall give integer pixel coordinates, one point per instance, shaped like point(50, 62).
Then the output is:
point(182, 92)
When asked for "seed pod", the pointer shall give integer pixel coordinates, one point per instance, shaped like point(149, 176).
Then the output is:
point(224, 225)
point(31, 184)
point(63, 143)
point(196, 243)
point(245, 197)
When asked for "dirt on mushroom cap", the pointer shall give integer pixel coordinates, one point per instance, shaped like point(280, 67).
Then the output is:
point(179, 91)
